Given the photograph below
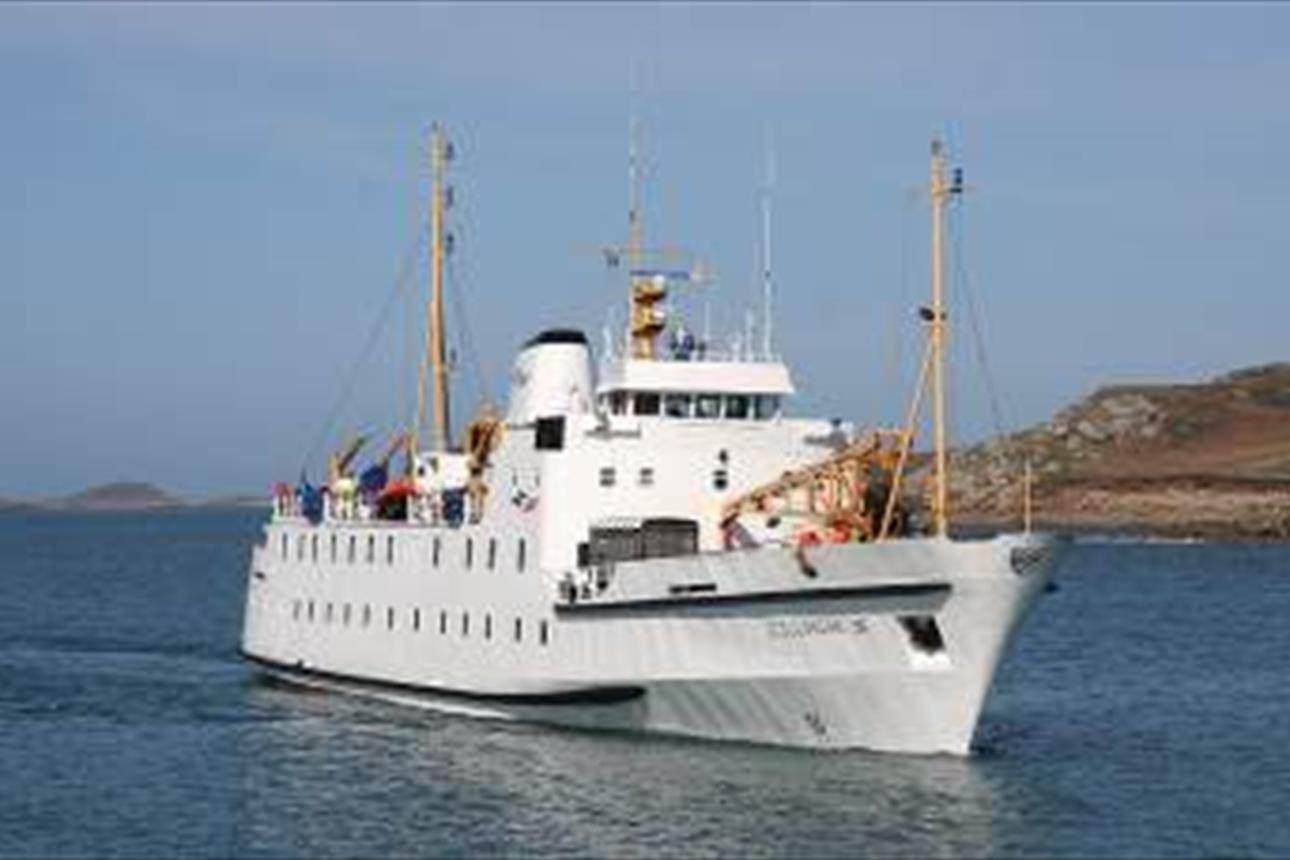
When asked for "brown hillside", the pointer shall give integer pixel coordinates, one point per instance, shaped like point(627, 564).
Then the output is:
point(1210, 457)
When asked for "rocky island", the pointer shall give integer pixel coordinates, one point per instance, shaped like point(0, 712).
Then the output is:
point(1209, 459)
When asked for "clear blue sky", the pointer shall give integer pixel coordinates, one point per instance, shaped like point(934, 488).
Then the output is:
point(205, 206)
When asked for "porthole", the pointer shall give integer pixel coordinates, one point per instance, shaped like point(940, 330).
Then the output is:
point(720, 479)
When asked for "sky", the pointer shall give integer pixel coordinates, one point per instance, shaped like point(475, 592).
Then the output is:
point(211, 253)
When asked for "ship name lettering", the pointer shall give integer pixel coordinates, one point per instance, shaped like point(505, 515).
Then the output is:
point(799, 628)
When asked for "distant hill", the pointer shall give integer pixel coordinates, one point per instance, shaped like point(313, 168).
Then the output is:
point(12, 505)
point(1204, 458)
point(241, 500)
point(117, 496)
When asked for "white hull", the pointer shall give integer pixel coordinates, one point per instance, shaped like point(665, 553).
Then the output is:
point(728, 645)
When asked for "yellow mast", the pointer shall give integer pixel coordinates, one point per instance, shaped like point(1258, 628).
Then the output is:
point(644, 322)
point(941, 192)
point(438, 362)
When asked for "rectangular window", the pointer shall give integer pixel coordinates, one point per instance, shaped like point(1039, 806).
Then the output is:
point(353, 549)
point(607, 476)
point(313, 548)
point(737, 406)
point(346, 614)
point(443, 622)
point(389, 550)
point(544, 635)
point(389, 618)
point(646, 403)
point(416, 619)
point(328, 614)
point(311, 611)
point(434, 552)
point(720, 479)
point(470, 551)
point(371, 548)
point(618, 402)
point(707, 406)
point(677, 405)
point(519, 629)
point(333, 549)
point(519, 555)
point(284, 546)
point(646, 477)
point(492, 553)
point(766, 406)
point(295, 611)
point(465, 624)
point(300, 548)
point(367, 614)
point(488, 627)
point(548, 434)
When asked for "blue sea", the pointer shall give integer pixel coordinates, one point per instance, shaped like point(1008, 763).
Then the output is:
point(1144, 711)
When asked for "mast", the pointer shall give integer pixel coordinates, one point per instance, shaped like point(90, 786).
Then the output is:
point(647, 291)
point(435, 340)
point(941, 193)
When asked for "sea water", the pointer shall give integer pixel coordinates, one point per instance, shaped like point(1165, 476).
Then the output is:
point(1144, 711)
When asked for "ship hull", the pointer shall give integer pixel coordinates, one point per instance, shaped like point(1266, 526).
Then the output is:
point(889, 647)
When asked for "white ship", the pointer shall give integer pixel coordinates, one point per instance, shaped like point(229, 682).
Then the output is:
point(648, 541)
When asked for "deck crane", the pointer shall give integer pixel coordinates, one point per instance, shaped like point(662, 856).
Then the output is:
point(338, 462)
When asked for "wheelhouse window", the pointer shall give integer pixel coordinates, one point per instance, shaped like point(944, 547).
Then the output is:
point(737, 406)
point(766, 406)
point(646, 403)
point(707, 406)
point(618, 402)
point(677, 405)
